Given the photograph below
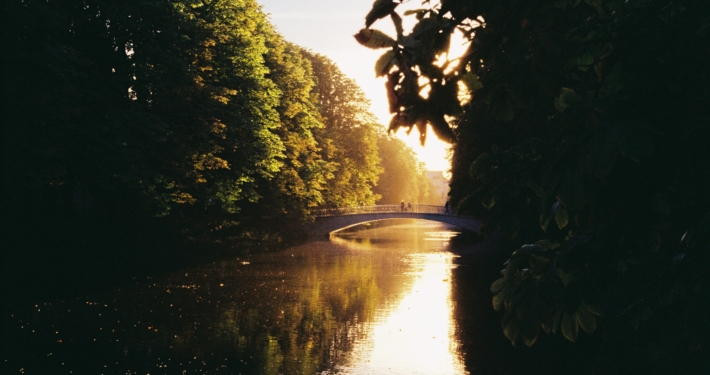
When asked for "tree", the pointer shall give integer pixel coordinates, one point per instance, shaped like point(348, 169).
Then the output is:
point(584, 142)
point(182, 116)
point(349, 138)
point(403, 175)
point(303, 176)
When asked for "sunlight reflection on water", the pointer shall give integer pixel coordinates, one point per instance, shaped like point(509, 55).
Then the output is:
point(377, 301)
point(416, 335)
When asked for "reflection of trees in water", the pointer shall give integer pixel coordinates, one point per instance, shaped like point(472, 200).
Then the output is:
point(290, 317)
point(278, 314)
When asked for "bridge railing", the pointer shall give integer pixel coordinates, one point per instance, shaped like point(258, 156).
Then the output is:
point(386, 208)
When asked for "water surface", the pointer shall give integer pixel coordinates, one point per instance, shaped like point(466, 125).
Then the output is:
point(376, 301)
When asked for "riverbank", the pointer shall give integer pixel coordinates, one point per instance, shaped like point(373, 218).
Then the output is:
point(49, 262)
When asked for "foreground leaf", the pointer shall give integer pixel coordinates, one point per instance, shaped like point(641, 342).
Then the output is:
point(570, 329)
point(380, 9)
point(374, 39)
point(382, 65)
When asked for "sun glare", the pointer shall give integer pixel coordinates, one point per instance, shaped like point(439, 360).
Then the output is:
point(417, 336)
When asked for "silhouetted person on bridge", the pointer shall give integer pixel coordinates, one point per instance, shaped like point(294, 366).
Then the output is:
point(446, 208)
point(401, 205)
point(409, 207)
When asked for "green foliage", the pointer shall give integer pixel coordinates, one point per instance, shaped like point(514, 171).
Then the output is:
point(303, 174)
point(591, 115)
point(403, 176)
point(348, 141)
point(184, 114)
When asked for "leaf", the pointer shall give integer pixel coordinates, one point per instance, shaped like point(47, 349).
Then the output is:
point(498, 285)
point(382, 65)
point(585, 61)
point(414, 11)
point(529, 329)
point(374, 39)
point(497, 301)
point(380, 9)
point(489, 203)
point(570, 329)
point(441, 129)
point(424, 26)
point(515, 264)
point(547, 245)
point(397, 20)
point(585, 319)
point(506, 293)
point(472, 82)
point(480, 166)
point(556, 319)
point(564, 277)
point(566, 99)
point(444, 98)
point(536, 188)
point(538, 262)
point(561, 217)
point(512, 330)
point(392, 97)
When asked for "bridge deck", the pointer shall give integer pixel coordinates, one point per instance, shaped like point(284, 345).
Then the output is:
point(385, 208)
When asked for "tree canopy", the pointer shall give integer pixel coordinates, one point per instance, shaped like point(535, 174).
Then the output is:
point(404, 176)
point(580, 132)
point(349, 137)
point(196, 117)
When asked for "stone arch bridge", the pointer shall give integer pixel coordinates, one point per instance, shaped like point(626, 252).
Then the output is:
point(330, 220)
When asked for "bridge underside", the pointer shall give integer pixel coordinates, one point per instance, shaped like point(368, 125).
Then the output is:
point(322, 227)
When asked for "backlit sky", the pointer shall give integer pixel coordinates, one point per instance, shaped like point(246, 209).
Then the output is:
point(327, 27)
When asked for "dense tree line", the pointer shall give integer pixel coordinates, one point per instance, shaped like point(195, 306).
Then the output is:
point(582, 136)
point(189, 118)
point(396, 183)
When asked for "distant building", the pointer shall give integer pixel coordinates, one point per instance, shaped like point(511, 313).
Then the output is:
point(440, 187)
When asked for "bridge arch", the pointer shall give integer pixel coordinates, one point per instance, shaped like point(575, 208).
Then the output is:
point(332, 220)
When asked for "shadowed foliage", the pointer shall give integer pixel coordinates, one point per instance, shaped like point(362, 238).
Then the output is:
point(580, 131)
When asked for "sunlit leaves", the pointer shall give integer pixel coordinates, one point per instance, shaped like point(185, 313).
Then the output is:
point(349, 137)
point(403, 176)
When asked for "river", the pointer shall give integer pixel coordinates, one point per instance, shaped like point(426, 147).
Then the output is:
point(392, 299)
